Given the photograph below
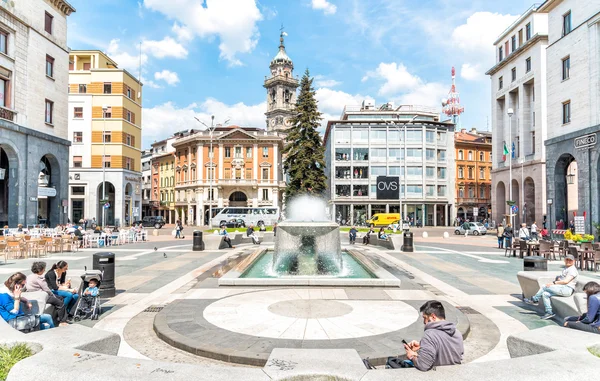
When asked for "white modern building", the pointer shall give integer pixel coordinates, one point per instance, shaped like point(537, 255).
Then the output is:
point(34, 147)
point(573, 102)
point(519, 86)
point(408, 142)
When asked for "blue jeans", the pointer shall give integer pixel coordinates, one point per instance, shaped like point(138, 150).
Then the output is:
point(547, 292)
point(177, 233)
point(46, 322)
point(69, 299)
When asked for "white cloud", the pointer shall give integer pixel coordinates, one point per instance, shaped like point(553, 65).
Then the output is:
point(474, 41)
point(183, 33)
point(405, 88)
point(124, 60)
point(232, 21)
point(325, 6)
point(322, 81)
point(169, 77)
point(395, 76)
point(428, 94)
point(167, 47)
point(471, 72)
point(161, 119)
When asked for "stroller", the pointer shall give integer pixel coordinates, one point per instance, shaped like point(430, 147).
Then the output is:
point(88, 307)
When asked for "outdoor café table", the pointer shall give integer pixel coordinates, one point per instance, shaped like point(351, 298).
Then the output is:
point(532, 247)
point(583, 255)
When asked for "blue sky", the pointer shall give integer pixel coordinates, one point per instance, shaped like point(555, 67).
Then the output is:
point(210, 57)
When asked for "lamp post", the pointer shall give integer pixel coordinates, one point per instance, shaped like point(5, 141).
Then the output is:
point(510, 113)
point(211, 130)
point(403, 125)
point(104, 109)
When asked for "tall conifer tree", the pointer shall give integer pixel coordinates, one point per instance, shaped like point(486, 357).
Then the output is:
point(305, 153)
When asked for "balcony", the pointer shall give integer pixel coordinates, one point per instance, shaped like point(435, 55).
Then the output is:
point(472, 201)
point(240, 182)
point(8, 114)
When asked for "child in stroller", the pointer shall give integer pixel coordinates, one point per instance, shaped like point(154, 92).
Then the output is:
point(88, 305)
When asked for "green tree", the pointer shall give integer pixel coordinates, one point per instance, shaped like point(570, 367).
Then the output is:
point(304, 151)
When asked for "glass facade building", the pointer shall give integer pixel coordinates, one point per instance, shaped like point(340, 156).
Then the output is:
point(416, 147)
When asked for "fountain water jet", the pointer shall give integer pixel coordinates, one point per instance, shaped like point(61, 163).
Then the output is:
point(307, 243)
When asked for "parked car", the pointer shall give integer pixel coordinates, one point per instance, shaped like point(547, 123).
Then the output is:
point(474, 228)
point(235, 223)
point(151, 221)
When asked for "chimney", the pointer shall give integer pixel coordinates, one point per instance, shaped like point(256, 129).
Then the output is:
point(464, 130)
point(473, 130)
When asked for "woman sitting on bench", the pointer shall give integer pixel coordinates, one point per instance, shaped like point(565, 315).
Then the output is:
point(381, 234)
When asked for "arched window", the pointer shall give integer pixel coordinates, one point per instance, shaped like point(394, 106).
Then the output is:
point(481, 156)
point(460, 155)
point(470, 155)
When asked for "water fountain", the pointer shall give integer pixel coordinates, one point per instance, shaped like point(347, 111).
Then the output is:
point(308, 251)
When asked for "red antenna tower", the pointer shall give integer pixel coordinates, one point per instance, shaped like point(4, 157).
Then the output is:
point(451, 105)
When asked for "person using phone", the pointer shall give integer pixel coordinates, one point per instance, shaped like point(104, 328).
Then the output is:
point(11, 299)
point(442, 343)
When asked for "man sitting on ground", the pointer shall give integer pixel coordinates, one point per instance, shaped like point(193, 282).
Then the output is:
point(563, 285)
point(442, 343)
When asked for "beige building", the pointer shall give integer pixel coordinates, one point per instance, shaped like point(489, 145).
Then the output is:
point(34, 145)
point(105, 129)
point(245, 169)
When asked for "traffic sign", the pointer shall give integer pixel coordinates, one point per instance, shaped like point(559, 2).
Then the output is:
point(107, 205)
point(515, 208)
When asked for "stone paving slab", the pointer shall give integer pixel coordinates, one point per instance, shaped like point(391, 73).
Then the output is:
point(182, 325)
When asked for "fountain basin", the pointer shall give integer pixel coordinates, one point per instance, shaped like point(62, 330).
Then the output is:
point(357, 270)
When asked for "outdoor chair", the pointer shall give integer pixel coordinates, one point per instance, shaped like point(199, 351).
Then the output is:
point(546, 249)
point(3, 250)
point(15, 247)
point(575, 253)
point(563, 248)
point(594, 260)
point(522, 248)
point(508, 249)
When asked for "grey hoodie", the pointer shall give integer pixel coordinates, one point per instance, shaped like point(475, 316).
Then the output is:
point(441, 344)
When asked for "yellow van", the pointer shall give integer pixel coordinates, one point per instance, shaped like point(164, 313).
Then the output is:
point(383, 219)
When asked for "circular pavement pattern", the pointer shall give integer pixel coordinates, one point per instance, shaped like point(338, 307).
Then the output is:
point(310, 309)
point(282, 314)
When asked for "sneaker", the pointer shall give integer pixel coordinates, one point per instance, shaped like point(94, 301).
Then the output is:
point(548, 316)
point(531, 302)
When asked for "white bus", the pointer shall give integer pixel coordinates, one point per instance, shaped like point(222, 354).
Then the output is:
point(256, 216)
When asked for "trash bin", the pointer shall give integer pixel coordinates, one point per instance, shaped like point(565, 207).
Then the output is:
point(408, 242)
point(535, 263)
point(105, 262)
point(198, 242)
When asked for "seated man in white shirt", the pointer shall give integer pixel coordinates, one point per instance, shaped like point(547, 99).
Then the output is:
point(563, 285)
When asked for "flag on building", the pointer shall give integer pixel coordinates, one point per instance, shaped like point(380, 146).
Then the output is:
point(513, 150)
point(504, 152)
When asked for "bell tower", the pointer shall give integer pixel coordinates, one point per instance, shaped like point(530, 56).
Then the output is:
point(281, 90)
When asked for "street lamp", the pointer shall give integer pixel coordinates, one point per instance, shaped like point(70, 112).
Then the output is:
point(403, 125)
point(211, 130)
point(104, 109)
point(510, 113)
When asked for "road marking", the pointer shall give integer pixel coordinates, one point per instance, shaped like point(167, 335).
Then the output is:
point(484, 260)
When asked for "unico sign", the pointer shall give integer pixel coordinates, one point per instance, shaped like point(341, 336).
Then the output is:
point(388, 188)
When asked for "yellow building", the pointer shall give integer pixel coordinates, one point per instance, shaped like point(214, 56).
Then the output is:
point(164, 165)
point(105, 116)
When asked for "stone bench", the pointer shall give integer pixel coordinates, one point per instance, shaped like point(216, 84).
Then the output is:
point(71, 352)
point(563, 306)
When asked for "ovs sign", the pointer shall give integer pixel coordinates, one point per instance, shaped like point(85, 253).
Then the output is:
point(388, 188)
